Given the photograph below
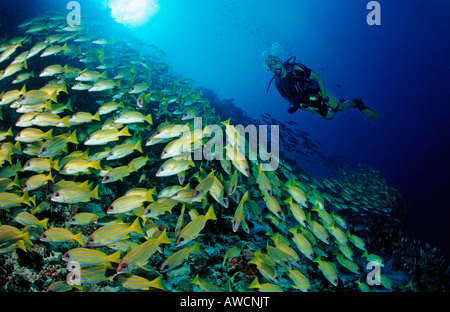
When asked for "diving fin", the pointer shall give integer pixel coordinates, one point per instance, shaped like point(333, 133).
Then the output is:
point(365, 110)
point(369, 113)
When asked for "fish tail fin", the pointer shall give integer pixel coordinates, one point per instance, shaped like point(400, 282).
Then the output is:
point(138, 146)
point(157, 283)
point(95, 164)
point(54, 164)
point(149, 195)
point(163, 238)
point(17, 148)
point(96, 116)
point(136, 227)
point(210, 214)
point(26, 198)
point(49, 134)
point(72, 138)
point(125, 132)
point(53, 97)
point(43, 223)
point(148, 118)
point(94, 192)
point(79, 239)
point(195, 247)
point(49, 177)
point(65, 121)
point(65, 48)
point(115, 257)
point(255, 283)
point(15, 182)
point(26, 236)
point(69, 106)
point(196, 280)
point(23, 90)
point(21, 245)
point(64, 88)
point(226, 122)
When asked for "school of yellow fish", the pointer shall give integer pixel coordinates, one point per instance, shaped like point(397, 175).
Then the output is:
point(60, 152)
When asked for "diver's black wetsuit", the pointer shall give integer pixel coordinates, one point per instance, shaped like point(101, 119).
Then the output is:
point(299, 90)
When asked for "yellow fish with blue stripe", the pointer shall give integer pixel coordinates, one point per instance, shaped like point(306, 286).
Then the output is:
point(28, 219)
point(239, 214)
point(193, 228)
point(138, 256)
point(36, 181)
point(302, 244)
point(129, 202)
point(297, 211)
point(301, 281)
point(205, 286)
point(60, 235)
point(10, 200)
point(349, 265)
point(274, 206)
point(122, 150)
point(297, 193)
point(104, 136)
point(41, 164)
point(110, 234)
point(84, 218)
point(265, 287)
point(74, 194)
point(87, 256)
point(89, 275)
point(264, 182)
point(328, 270)
point(174, 166)
point(231, 253)
point(204, 186)
point(176, 258)
point(61, 286)
point(36, 97)
point(77, 166)
point(318, 230)
point(29, 135)
point(118, 173)
point(135, 282)
point(57, 145)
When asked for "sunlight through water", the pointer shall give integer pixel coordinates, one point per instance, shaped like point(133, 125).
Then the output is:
point(132, 13)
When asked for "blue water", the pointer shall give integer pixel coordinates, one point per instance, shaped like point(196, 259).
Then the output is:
point(401, 69)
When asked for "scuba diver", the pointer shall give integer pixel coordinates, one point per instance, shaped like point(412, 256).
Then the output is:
point(303, 88)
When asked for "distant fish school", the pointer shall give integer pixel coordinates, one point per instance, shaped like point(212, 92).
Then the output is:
point(84, 113)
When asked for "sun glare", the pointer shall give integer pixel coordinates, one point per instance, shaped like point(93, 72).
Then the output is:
point(133, 13)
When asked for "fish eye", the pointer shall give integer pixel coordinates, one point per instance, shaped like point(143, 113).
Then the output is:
point(181, 239)
point(124, 265)
point(90, 240)
point(106, 177)
point(57, 194)
point(44, 149)
point(44, 235)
